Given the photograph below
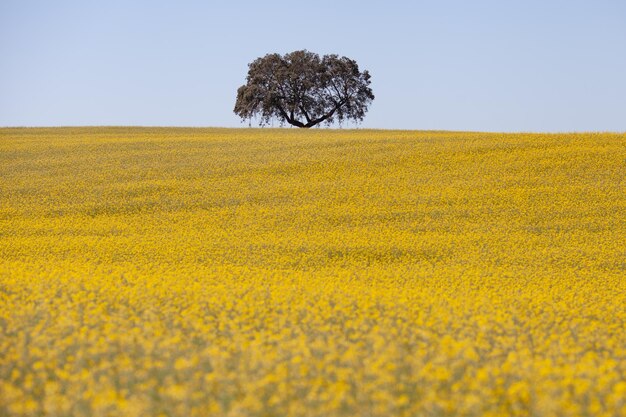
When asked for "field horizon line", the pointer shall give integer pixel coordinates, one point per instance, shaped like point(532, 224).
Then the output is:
point(326, 129)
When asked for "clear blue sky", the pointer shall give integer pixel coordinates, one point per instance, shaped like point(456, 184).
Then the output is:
point(534, 65)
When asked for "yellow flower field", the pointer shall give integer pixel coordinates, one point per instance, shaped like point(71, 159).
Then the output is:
point(282, 272)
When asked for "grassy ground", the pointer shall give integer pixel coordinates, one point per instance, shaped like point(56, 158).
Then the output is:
point(272, 272)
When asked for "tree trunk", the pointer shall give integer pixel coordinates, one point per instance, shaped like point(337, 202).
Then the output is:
point(310, 123)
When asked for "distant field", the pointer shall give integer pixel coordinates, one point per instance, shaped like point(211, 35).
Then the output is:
point(282, 272)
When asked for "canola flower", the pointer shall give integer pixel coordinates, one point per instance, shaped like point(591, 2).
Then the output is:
point(262, 272)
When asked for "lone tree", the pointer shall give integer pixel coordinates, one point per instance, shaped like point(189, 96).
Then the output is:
point(304, 89)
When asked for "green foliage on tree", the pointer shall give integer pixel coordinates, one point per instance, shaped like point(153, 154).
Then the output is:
point(304, 90)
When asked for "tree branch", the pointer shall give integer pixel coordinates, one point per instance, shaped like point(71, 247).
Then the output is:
point(306, 115)
point(291, 119)
point(282, 112)
point(324, 117)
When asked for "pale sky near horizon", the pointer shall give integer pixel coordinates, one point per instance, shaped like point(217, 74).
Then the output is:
point(450, 65)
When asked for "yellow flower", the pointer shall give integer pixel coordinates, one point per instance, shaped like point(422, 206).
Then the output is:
point(254, 272)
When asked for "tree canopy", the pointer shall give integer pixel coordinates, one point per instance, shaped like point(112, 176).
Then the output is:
point(304, 89)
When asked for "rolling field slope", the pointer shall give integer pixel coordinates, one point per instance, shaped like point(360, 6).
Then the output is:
point(282, 272)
